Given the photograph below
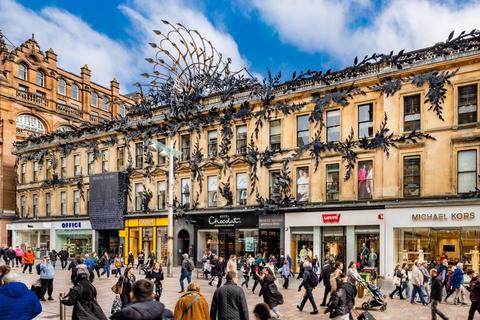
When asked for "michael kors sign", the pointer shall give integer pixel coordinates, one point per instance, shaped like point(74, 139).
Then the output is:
point(458, 216)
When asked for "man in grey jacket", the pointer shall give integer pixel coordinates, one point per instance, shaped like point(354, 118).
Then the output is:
point(229, 302)
point(417, 283)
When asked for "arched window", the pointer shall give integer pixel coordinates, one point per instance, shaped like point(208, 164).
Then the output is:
point(64, 128)
point(40, 78)
point(74, 91)
point(62, 87)
point(23, 71)
point(105, 103)
point(94, 102)
point(30, 123)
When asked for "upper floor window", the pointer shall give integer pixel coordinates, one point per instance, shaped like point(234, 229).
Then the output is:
point(241, 185)
point(63, 167)
point(467, 104)
point(160, 158)
point(23, 206)
point(48, 204)
point(123, 110)
point(138, 196)
point(365, 120)
point(62, 87)
point(333, 126)
point(23, 71)
point(333, 182)
point(138, 155)
point(105, 103)
point(212, 143)
point(77, 169)
point(241, 139)
point(35, 171)
point(40, 79)
point(90, 163)
point(185, 147)
point(48, 171)
point(75, 93)
point(302, 130)
point(63, 203)
point(30, 123)
point(212, 191)
point(35, 205)
point(64, 128)
point(76, 202)
point(185, 191)
point(94, 101)
point(303, 186)
point(120, 158)
point(411, 113)
point(275, 135)
point(274, 189)
point(365, 179)
point(411, 176)
point(161, 197)
point(466, 171)
point(23, 172)
point(104, 161)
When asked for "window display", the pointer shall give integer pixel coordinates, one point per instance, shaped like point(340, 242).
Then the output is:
point(76, 242)
point(334, 243)
point(368, 246)
point(162, 245)
point(301, 246)
point(365, 179)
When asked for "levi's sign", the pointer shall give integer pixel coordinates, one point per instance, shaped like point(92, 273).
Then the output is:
point(331, 217)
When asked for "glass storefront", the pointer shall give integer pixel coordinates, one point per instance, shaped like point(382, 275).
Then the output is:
point(247, 242)
point(38, 240)
point(301, 246)
point(333, 242)
point(367, 242)
point(147, 240)
point(270, 242)
point(227, 241)
point(162, 245)
point(76, 242)
point(133, 241)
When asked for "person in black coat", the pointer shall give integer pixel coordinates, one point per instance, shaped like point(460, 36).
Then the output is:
point(229, 302)
point(342, 300)
point(217, 271)
point(73, 267)
point(126, 284)
point(83, 298)
point(156, 275)
point(63, 255)
point(143, 307)
point(53, 257)
point(269, 291)
point(325, 276)
point(436, 294)
point(307, 284)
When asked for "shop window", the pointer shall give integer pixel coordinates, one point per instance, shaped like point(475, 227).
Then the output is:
point(185, 147)
point(247, 242)
point(303, 192)
point(212, 143)
point(75, 94)
point(365, 120)
point(274, 188)
point(63, 203)
point(411, 113)
point(186, 192)
point(212, 191)
point(23, 206)
point(90, 163)
point(63, 167)
point(35, 171)
point(333, 182)
point(207, 240)
point(161, 194)
point(241, 186)
point(104, 161)
point(35, 205)
point(275, 135)
point(94, 99)
point(139, 155)
point(138, 196)
point(162, 245)
point(333, 240)
point(467, 104)
point(301, 247)
point(23, 71)
point(365, 179)
point(23, 172)
point(77, 169)
point(161, 160)
point(333, 126)
point(48, 204)
point(62, 87)
point(48, 170)
point(40, 79)
point(367, 240)
point(467, 171)
point(120, 158)
point(105, 103)
point(241, 139)
point(302, 130)
point(76, 203)
point(411, 176)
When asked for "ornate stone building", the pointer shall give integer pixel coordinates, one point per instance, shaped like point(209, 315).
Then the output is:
point(37, 97)
point(377, 162)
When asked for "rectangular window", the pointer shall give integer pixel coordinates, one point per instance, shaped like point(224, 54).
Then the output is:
point(333, 181)
point(275, 135)
point(76, 202)
point(160, 158)
point(35, 205)
point(333, 126)
point(35, 171)
point(274, 188)
point(411, 113)
point(63, 203)
point(120, 158)
point(77, 169)
point(467, 104)
point(48, 204)
point(411, 176)
point(212, 143)
point(303, 188)
point(63, 167)
point(365, 179)
point(241, 139)
point(88, 200)
point(90, 163)
point(212, 191)
point(365, 120)
point(23, 172)
point(467, 171)
point(241, 184)
point(161, 197)
point(104, 161)
point(186, 192)
point(138, 196)
point(23, 206)
point(186, 147)
point(22, 88)
point(302, 130)
point(48, 170)
point(139, 155)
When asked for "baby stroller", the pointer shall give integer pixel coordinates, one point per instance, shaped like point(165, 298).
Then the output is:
point(377, 299)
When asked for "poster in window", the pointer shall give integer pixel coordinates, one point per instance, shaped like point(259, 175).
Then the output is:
point(365, 179)
point(302, 185)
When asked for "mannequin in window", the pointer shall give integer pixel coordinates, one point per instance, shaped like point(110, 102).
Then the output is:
point(475, 258)
point(372, 259)
point(364, 252)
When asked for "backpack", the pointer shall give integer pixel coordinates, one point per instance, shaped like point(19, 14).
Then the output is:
point(189, 266)
point(313, 281)
point(37, 268)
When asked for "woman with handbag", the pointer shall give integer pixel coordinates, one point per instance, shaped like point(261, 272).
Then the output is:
point(156, 276)
point(192, 305)
point(126, 283)
point(398, 277)
point(269, 291)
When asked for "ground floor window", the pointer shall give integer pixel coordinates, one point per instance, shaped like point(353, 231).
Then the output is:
point(367, 242)
point(38, 240)
point(133, 241)
point(269, 243)
point(162, 245)
point(147, 240)
point(333, 242)
point(301, 246)
point(76, 242)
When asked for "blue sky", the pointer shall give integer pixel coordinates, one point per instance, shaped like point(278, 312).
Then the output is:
point(280, 35)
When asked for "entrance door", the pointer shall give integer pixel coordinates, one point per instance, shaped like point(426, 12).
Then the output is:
point(334, 244)
point(270, 243)
point(226, 238)
point(183, 241)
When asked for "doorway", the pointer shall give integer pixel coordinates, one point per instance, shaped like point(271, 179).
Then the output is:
point(270, 243)
point(334, 243)
point(183, 241)
point(226, 239)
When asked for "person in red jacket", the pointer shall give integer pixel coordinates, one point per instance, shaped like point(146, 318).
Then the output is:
point(28, 260)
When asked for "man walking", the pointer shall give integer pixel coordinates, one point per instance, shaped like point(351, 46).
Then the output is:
point(474, 289)
point(46, 278)
point(436, 295)
point(325, 276)
point(309, 282)
point(186, 271)
point(63, 254)
point(417, 283)
point(457, 284)
point(229, 302)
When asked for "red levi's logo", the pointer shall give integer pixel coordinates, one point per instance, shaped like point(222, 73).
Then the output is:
point(331, 217)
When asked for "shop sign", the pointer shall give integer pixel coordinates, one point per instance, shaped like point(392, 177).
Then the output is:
point(226, 221)
point(272, 220)
point(456, 216)
point(146, 222)
point(71, 225)
point(331, 217)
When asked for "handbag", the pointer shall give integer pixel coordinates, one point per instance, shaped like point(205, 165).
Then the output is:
point(117, 288)
point(117, 304)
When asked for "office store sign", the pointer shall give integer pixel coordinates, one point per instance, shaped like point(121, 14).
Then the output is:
point(331, 217)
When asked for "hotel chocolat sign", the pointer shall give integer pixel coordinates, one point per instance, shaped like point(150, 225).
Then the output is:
point(226, 221)
point(456, 216)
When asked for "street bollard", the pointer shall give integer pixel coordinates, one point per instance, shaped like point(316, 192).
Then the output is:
point(63, 314)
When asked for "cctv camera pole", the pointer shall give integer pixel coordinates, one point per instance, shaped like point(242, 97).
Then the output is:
point(170, 211)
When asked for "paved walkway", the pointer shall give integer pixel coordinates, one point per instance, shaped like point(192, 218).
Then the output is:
point(396, 309)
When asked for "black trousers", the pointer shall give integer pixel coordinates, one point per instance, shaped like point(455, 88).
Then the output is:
point(64, 264)
point(247, 279)
point(29, 266)
point(47, 286)
point(474, 307)
point(399, 290)
point(308, 296)
point(285, 283)
point(325, 294)
point(435, 311)
point(220, 279)
point(255, 284)
point(18, 260)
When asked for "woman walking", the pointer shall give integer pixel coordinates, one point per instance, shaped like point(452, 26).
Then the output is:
point(126, 283)
point(105, 262)
point(246, 273)
point(271, 296)
point(118, 263)
point(398, 278)
point(284, 271)
point(141, 260)
point(192, 305)
point(156, 276)
point(28, 260)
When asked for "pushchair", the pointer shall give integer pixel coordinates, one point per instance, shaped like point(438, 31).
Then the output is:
point(377, 299)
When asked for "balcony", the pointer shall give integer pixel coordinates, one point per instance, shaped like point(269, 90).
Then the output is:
point(31, 98)
point(68, 110)
point(93, 119)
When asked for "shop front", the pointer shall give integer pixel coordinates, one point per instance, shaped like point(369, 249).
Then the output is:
point(431, 233)
point(35, 235)
point(349, 235)
point(271, 235)
point(145, 234)
point(76, 236)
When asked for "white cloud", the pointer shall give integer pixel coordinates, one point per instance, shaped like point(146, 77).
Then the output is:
point(329, 25)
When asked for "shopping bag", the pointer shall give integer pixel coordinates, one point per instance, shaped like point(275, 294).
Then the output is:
point(117, 304)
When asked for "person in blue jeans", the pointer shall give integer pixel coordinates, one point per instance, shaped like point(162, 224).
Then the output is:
point(417, 283)
point(186, 271)
point(105, 262)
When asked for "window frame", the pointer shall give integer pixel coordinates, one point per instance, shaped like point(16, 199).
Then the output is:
point(23, 173)
point(35, 171)
point(297, 195)
point(329, 127)
point(139, 155)
point(465, 172)
point(185, 196)
point(59, 86)
point(90, 161)
point(105, 159)
point(48, 204)
point(405, 114)
point(35, 205)
point(329, 168)
point(307, 130)
point(367, 180)
point(40, 78)
point(405, 176)
point(272, 174)
point(161, 195)
point(63, 203)
point(120, 159)
point(77, 165)
point(23, 205)
point(212, 194)
point(22, 75)
point(185, 140)
point(369, 121)
point(94, 99)
point(75, 94)
point(459, 88)
point(63, 167)
point(161, 160)
point(212, 147)
point(277, 146)
point(241, 148)
point(241, 191)
point(138, 196)
point(105, 103)
point(76, 202)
